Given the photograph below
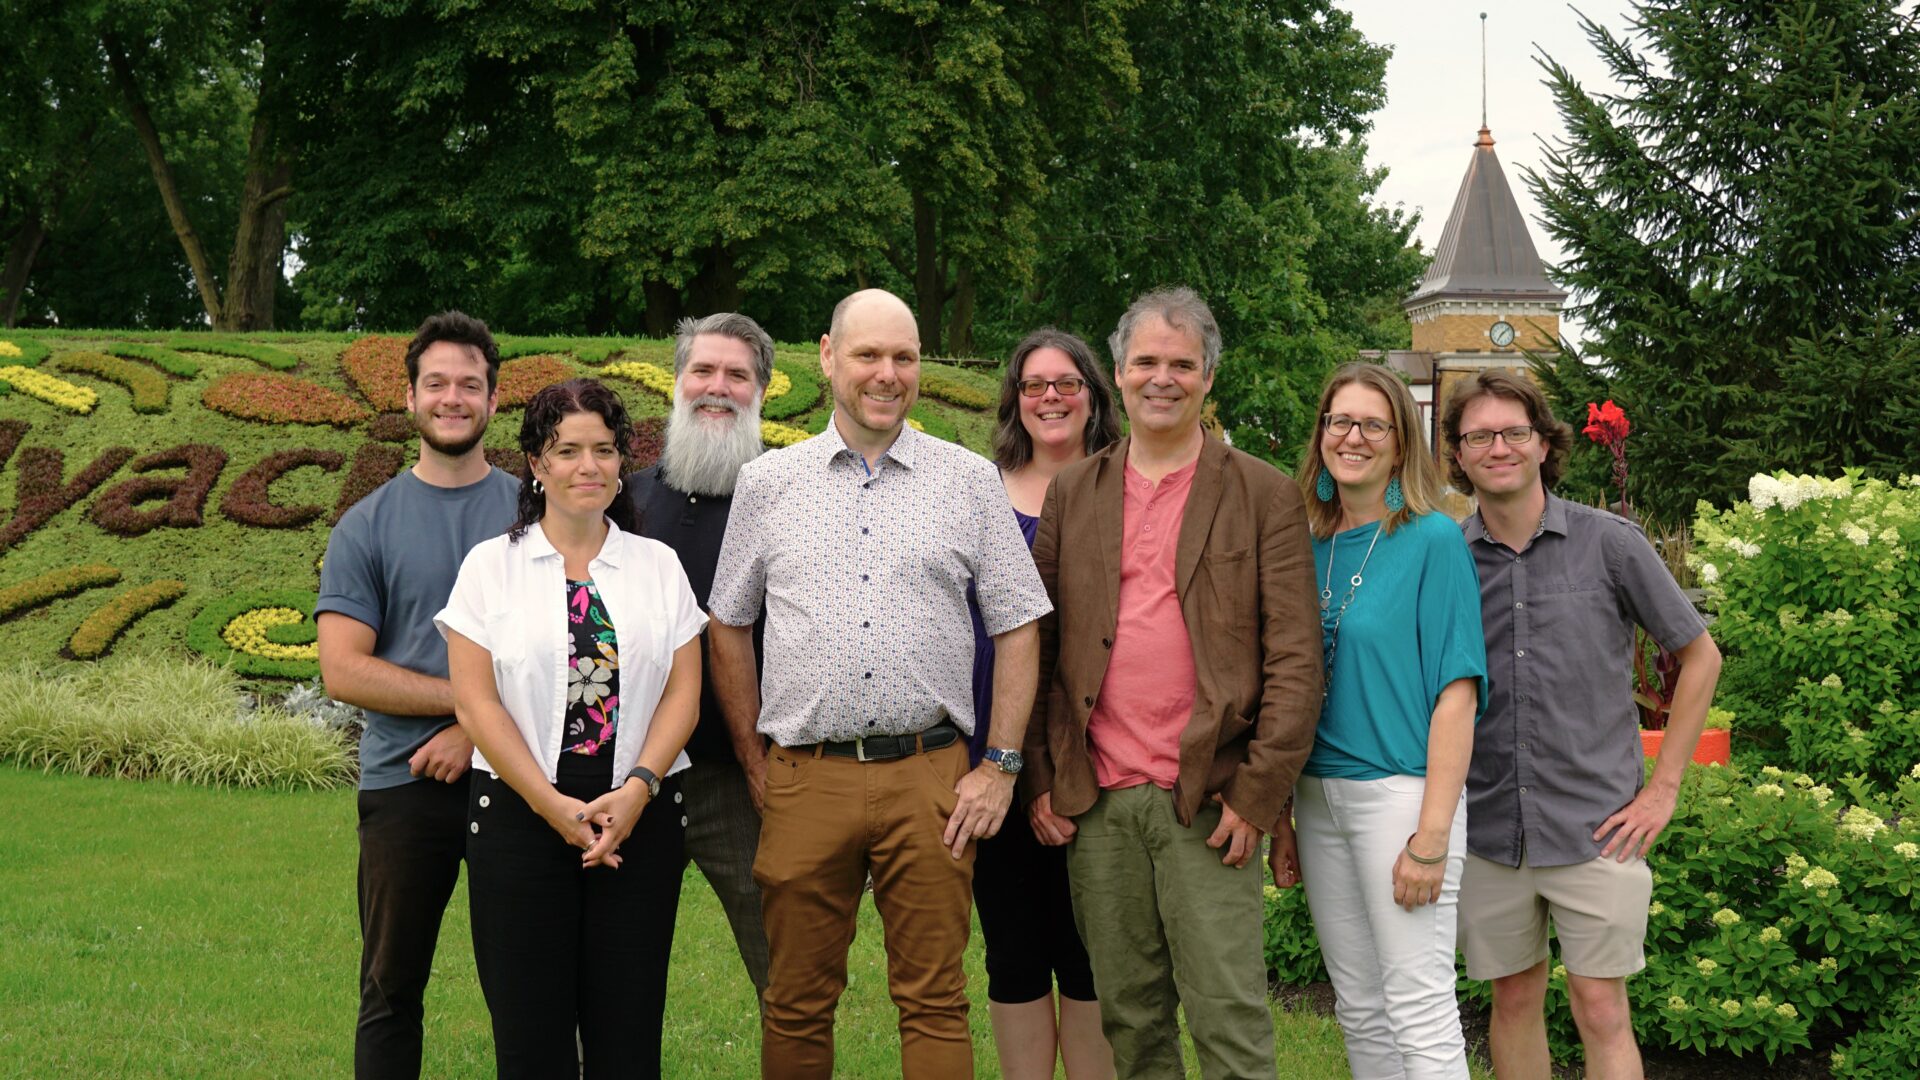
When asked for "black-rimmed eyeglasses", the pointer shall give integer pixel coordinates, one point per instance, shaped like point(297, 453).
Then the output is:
point(1066, 387)
point(1518, 435)
point(1372, 429)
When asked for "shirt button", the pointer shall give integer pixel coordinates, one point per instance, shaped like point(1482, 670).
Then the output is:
point(1107, 642)
point(864, 624)
point(868, 675)
point(1520, 652)
point(676, 797)
point(1523, 791)
point(1149, 528)
point(486, 801)
point(1520, 603)
point(1089, 702)
point(693, 498)
point(473, 827)
point(1523, 746)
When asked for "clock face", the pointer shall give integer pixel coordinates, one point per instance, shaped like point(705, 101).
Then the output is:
point(1501, 333)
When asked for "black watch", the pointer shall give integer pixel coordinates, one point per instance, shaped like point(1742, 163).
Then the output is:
point(645, 776)
point(1009, 761)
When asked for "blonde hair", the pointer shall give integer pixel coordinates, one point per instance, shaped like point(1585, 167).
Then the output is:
point(1419, 476)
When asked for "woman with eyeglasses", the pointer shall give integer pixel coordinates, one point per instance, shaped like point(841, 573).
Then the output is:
point(1056, 407)
point(1380, 807)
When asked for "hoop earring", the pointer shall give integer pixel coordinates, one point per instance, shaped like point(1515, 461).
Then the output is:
point(619, 485)
point(1324, 487)
point(1395, 499)
point(537, 489)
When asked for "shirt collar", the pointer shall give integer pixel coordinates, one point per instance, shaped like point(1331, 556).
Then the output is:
point(539, 547)
point(1553, 520)
point(902, 452)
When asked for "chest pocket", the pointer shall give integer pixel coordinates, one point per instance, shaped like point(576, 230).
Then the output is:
point(1235, 590)
point(1563, 606)
point(509, 637)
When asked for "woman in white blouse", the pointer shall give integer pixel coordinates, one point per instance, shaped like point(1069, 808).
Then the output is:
point(572, 648)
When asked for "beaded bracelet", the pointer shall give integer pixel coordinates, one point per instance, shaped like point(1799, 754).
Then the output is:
point(1435, 861)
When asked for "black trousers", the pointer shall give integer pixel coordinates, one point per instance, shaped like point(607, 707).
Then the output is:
point(1026, 917)
point(412, 839)
point(561, 949)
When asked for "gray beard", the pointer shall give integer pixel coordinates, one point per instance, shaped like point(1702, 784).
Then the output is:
point(700, 460)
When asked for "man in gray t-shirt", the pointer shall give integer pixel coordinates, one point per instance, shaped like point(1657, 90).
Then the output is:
point(390, 564)
point(1558, 822)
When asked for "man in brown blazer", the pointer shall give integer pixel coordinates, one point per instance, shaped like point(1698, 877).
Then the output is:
point(1179, 687)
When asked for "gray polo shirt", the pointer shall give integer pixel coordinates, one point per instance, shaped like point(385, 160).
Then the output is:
point(1559, 749)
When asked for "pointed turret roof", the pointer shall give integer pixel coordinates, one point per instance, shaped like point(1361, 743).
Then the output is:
point(1486, 251)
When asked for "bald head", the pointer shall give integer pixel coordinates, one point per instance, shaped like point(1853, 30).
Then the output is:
point(868, 301)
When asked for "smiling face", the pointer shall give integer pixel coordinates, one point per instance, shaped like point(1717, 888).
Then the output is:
point(1053, 419)
point(1499, 470)
point(449, 398)
point(1161, 382)
point(580, 467)
point(718, 384)
point(1356, 464)
point(873, 366)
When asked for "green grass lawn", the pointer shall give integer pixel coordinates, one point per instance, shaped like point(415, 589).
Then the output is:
point(156, 930)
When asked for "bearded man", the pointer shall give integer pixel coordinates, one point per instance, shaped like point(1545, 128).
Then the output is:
point(390, 564)
point(721, 366)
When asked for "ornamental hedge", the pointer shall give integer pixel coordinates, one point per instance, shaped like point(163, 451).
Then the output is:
point(172, 495)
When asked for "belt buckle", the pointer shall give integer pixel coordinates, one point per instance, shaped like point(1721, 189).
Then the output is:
point(859, 748)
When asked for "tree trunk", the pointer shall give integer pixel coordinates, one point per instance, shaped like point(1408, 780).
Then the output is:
point(143, 126)
point(717, 286)
point(21, 251)
point(960, 322)
point(663, 307)
point(259, 243)
point(929, 277)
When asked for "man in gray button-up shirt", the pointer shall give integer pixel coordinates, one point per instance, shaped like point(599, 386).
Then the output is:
point(1558, 823)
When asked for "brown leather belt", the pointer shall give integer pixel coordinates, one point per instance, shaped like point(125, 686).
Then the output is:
point(887, 747)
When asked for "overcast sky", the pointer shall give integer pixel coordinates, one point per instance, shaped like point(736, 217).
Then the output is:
point(1424, 136)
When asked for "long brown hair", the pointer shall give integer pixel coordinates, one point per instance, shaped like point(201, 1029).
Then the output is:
point(1419, 476)
point(1012, 446)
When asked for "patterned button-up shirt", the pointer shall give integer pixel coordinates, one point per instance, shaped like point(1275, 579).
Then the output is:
point(1558, 749)
point(864, 576)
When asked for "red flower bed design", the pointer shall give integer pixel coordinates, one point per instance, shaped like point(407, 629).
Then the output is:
point(250, 500)
point(649, 437)
point(377, 367)
point(38, 492)
point(373, 464)
point(392, 427)
point(507, 459)
point(281, 399)
point(117, 510)
point(521, 379)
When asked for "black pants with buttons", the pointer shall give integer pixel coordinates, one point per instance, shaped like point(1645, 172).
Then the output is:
point(561, 949)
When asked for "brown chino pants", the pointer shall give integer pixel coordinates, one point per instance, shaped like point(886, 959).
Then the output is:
point(829, 821)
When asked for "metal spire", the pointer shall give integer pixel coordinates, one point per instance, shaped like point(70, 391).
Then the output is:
point(1483, 70)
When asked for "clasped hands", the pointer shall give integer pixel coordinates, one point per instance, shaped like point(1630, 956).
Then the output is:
point(598, 828)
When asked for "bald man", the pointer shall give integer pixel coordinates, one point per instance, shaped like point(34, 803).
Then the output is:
point(860, 543)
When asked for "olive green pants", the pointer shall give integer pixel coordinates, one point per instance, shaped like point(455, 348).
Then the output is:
point(1169, 927)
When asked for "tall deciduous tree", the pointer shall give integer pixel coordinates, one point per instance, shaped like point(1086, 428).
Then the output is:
point(1742, 228)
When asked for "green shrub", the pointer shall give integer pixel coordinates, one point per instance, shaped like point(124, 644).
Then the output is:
point(803, 394)
point(1818, 610)
point(154, 717)
point(956, 387)
point(1292, 950)
point(1888, 1048)
point(24, 351)
point(148, 387)
point(53, 585)
point(264, 355)
point(165, 359)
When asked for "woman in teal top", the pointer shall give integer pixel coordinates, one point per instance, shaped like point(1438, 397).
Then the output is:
point(1380, 836)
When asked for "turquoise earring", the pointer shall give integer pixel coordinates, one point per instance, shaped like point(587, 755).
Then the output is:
point(1395, 499)
point(1324, 488)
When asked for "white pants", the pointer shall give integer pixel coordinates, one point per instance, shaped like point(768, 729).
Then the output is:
point(1393, 969)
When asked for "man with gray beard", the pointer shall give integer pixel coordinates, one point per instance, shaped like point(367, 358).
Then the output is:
point(721, 367)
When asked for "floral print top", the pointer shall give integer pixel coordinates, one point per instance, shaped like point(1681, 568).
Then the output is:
point(593, 674)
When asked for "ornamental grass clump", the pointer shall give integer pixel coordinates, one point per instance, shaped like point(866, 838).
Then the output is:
point(152, 717)
point(1817, 598)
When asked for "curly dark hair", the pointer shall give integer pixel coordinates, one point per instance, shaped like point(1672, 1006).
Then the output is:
point(1012, 446)
point(1494, 382)
point(459, 328)
point(544, 413)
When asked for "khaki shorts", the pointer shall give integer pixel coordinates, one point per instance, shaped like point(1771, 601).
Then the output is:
point(1598, 910)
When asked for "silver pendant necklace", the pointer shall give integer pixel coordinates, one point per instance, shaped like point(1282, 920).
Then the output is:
point(1326, 599)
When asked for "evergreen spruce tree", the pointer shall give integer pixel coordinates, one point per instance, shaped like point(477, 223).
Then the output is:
point(1742, 228)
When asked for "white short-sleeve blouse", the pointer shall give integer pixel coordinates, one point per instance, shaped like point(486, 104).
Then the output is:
point(510, 599)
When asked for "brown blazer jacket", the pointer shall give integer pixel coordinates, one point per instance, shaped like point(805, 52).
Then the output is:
point(1244, 572)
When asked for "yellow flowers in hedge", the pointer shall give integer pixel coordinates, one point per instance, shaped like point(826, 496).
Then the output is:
point(57, 392)
point(9, 350)
point(247, 633)
point(779, 385)
point(778, 435)
point(652, 376)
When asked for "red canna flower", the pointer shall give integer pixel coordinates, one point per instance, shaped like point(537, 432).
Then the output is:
point(1606, 424)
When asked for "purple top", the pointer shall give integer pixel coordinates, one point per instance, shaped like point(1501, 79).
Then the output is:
point(983, 658)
